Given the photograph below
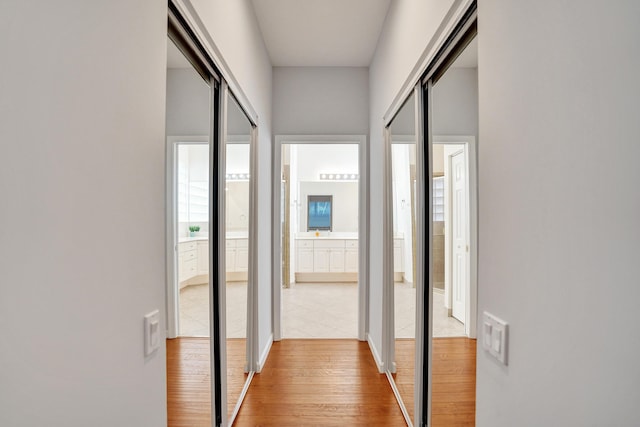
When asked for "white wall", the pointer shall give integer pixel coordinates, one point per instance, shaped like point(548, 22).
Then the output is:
point(234, 28)
point(188, 103)
point(82, 107)
point(409, 26)
point(320, 100)
point(455, 103)
point(559, 209)
point(314, 159)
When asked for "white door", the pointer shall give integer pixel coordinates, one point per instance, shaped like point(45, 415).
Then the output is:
point(460, 236)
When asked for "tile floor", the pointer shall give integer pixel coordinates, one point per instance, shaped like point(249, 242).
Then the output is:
point(310, 310)
point(194, 310)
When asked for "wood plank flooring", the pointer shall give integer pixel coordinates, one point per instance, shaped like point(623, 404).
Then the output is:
point(189, 379)
point(320, 382)
point(323, 382)
point(453, 380)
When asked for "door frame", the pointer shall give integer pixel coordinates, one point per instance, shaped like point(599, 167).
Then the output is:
point(363, 224)
point(471, 291)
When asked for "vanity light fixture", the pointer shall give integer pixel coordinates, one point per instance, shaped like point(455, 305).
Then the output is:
point(339, 176)
point(237, 176)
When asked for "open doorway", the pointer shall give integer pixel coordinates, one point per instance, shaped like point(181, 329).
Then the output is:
point(319, 229)
point(320, 189)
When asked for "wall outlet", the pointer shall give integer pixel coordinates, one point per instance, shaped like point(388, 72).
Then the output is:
point(151, 332)
point(494, 336)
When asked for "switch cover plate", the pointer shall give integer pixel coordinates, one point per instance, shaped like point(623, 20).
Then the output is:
point(494, 336)
point(151, 332)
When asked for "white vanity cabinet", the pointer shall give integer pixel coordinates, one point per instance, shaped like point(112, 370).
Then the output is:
point(326, 260)
point(328, 256)
point(237, 259)
point(304, 256)
point(187, 261)
point(203, 257)
point(351, 256)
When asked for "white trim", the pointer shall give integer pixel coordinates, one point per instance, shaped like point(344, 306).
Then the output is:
point(363, 224)
point(265, 353)
point(388, 297)
point(451, 19)
point(195, 24)
point(469, 141)
point(173, 292)
point(396, 393)
point(376, 354)
point(253, 281)
point(243, 393)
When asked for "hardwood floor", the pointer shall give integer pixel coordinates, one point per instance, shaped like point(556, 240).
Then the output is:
point(189, 379)
point(322, 382)
point(453, 380)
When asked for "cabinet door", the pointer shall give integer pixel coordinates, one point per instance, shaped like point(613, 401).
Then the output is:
point(181, 269)
point(321, 260)
point(203, 257)
point(351, 260)
point(230, 260)
point(305, 261)
point(336, 260)
point(242, 259)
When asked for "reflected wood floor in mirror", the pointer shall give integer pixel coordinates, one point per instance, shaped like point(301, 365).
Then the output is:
point(453, 382)
point(189, 379)
point(320, 382)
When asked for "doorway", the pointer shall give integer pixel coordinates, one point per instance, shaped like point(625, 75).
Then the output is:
point(320, 240)
point(319, 237)
point(452, 184)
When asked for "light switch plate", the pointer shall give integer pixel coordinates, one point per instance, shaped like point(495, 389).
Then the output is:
point(494, 336)
point(151, 332)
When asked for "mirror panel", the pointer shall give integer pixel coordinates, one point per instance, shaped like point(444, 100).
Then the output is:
point(403, 177)
point(237, 244)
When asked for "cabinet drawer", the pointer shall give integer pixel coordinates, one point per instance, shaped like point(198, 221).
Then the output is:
point(191, 267)
point(242, 243)
point(189, 255)
point(305, 243)
point(187, 246)
point(351, 244)
point(328, 244)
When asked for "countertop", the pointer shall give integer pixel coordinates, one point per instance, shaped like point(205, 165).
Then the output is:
point(230, 235)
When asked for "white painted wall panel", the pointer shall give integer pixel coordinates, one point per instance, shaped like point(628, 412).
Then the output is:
point(559, 209)
point(82, 229)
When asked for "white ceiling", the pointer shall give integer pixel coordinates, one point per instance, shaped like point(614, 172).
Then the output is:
point(317, 33)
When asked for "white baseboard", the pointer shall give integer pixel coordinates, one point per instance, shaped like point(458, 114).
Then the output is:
point(264, 355)
point(376, 354)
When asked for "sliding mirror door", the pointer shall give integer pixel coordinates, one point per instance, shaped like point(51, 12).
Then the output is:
point(403, 206)
point(237, 236)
